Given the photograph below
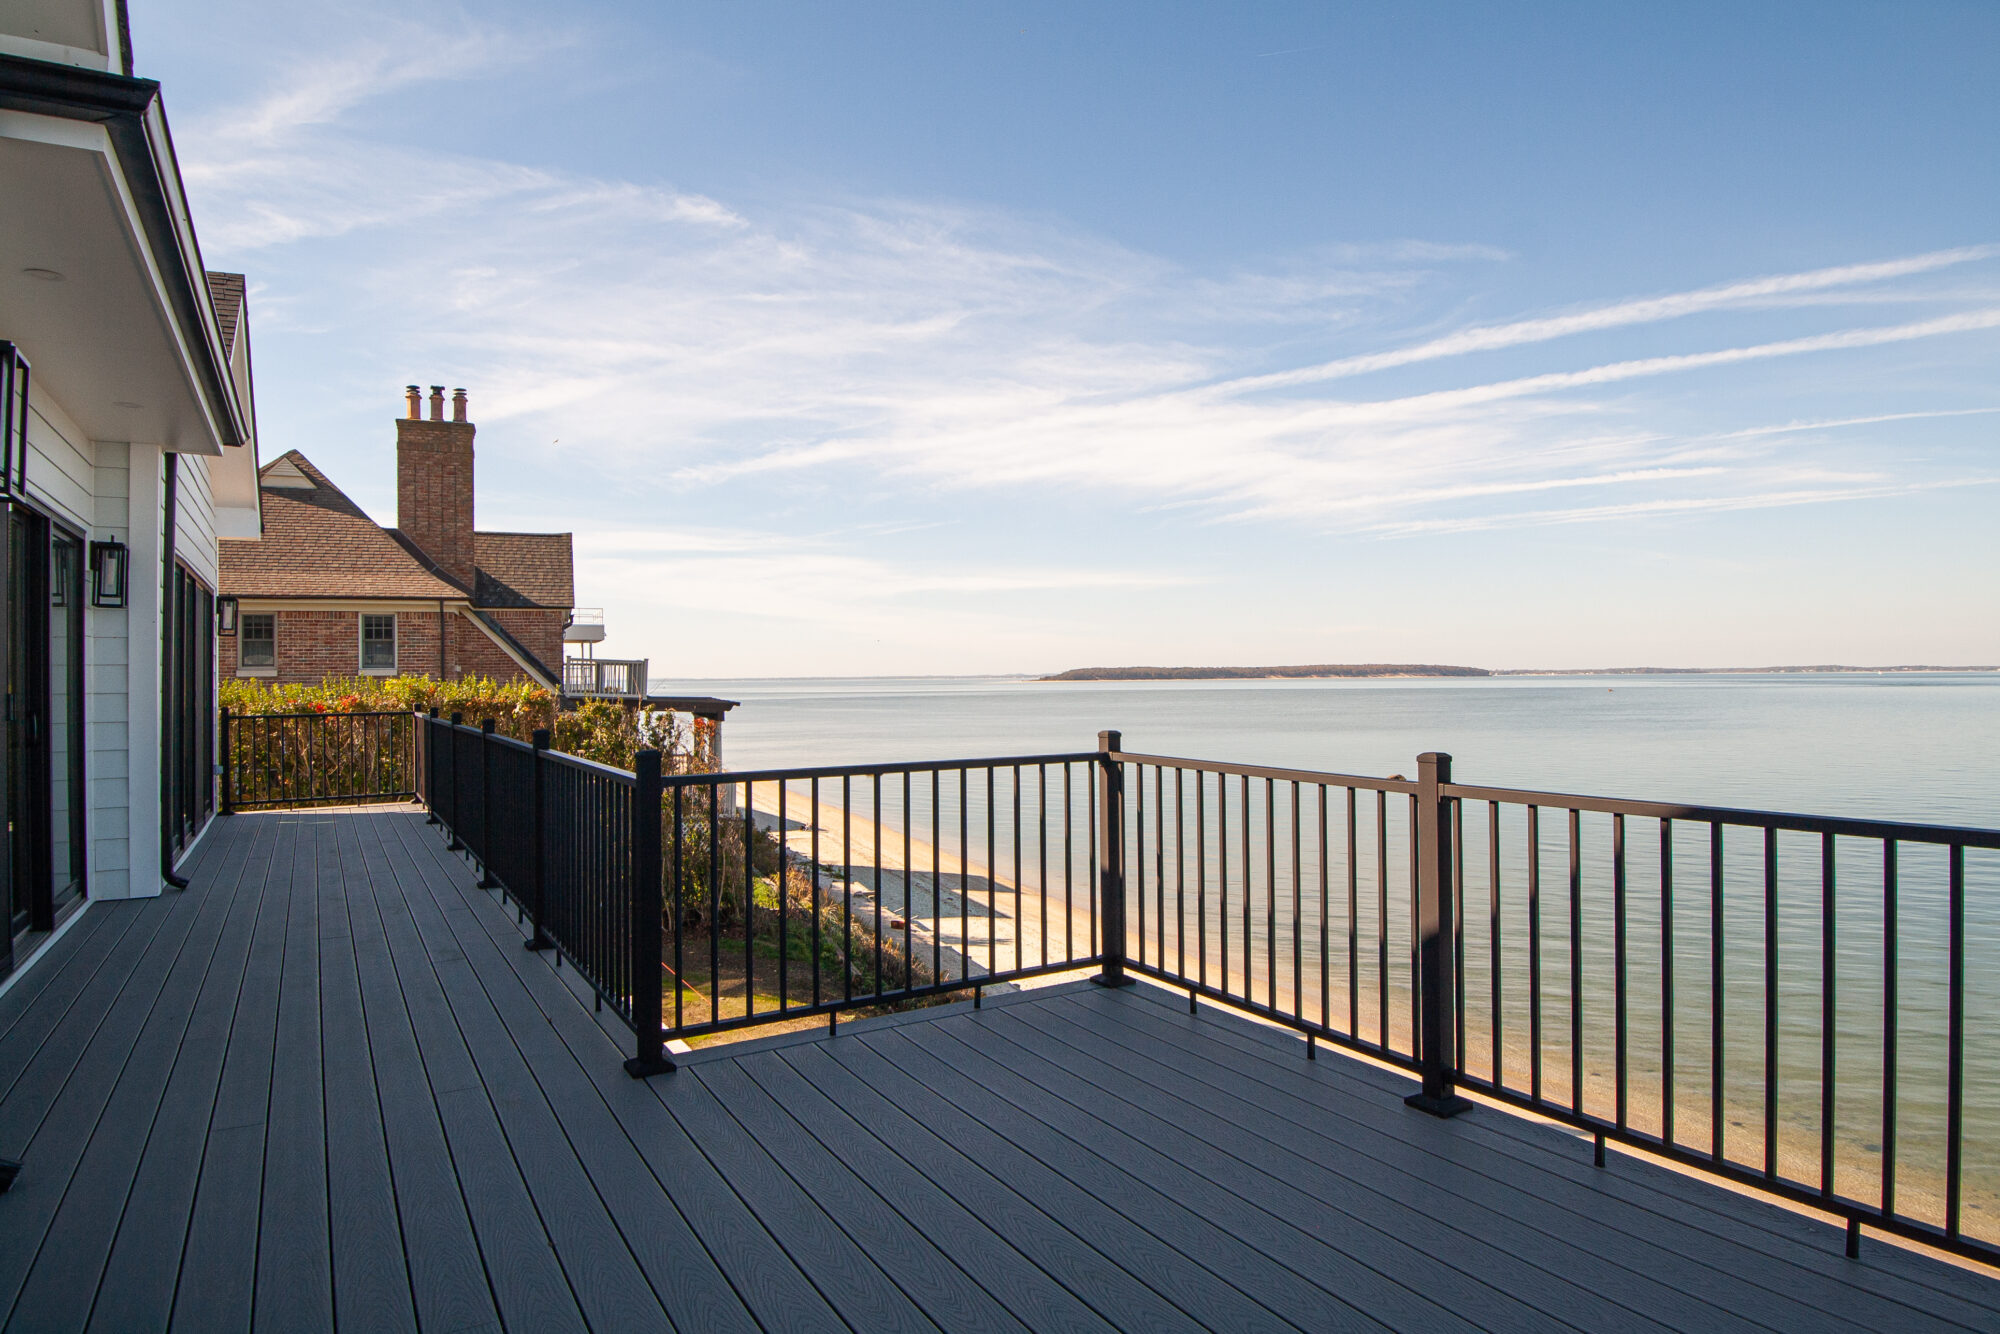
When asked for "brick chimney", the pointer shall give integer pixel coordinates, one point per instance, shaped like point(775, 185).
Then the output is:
point(434, 483)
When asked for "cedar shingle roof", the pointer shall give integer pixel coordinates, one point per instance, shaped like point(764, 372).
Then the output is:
point(523, 570)
point(226, 291)
point(317, 543)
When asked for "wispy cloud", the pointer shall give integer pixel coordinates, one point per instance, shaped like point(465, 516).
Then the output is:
point(679, 343)
point(1622, 314)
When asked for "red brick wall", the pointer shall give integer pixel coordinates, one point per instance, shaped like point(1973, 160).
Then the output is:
point(313, 645)
point(538, 629)
point(473, 653)
point(434, 492)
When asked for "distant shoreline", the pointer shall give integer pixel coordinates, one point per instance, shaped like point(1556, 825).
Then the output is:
point(1394, 671)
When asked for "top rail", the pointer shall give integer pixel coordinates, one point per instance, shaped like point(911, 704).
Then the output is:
point(330, 713)
point(1310, 776)
point(1898, 830)
point(875, 770)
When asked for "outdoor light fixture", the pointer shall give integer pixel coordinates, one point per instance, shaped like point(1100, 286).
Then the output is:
point(107, 574)
point(225, 615)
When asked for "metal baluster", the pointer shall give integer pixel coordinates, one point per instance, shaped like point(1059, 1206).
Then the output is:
point(1891, 921)
point(1618, 963)
point(1770, 1003)
point(1666, 981)
point(1576, 961)
point(1493, 933)
point(1535, 953)
point(1827, 1014)
point(1718, 997)
point(1954, 1153)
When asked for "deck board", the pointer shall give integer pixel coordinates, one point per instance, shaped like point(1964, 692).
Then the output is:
point(371, 1277)
point(327, 1086)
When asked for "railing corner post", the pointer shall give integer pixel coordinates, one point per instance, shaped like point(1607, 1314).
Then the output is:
point(538, 939)
point(426, 729)
point(648, 1016)
point(1111, 859)
point(1436, 952)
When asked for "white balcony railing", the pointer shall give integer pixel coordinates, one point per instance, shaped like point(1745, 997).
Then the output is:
point(605, 678)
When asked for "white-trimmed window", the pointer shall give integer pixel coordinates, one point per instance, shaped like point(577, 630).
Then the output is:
point(257, 642)
point(378, 645)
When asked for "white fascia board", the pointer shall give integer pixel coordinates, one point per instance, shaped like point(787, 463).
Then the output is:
point(91, 137)
point(54, 52)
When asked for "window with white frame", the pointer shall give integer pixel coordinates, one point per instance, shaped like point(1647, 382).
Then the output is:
point(257, 640)
point(378, 643)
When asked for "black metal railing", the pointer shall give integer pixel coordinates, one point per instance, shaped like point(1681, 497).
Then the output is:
point(1643, 972)
point(1739, 1005)
point(777, 894)
point(316, 759)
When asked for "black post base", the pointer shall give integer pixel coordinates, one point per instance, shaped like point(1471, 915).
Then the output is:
point(1449, 1105)
point(538, 943)
point(488, 882)
point(9, 1169)
point(639, 1067)
point(1113, 979)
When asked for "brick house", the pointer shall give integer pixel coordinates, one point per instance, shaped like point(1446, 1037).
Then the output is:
point(328, 592)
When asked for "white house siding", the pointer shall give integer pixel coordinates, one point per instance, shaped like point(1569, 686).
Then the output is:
point(86, 486)
point(107, 652)
point(194, 534)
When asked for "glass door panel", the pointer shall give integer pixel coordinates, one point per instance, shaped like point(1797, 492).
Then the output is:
point(65, 719)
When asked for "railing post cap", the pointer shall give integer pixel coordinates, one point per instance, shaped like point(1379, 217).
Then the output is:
point(1110, 739)
point(1436, 757)
point(541, 738)
point(486, 725)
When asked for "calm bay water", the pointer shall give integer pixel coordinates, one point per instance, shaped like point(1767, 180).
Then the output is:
point(1897, 746)
point(1904, 746)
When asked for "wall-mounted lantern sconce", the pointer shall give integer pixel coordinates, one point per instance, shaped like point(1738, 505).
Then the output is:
point(225, 615)
point(107, 574)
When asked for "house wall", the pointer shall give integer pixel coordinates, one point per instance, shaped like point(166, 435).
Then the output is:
point(86, 487)
point(539, 629)
point(317, 640)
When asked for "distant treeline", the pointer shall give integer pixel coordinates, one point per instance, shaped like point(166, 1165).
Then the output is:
point(1324, 669)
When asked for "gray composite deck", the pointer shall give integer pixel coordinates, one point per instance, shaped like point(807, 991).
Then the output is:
point(325, 1085)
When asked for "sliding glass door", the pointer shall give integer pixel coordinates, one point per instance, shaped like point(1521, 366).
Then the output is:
point(42, 778)
point(190, 710)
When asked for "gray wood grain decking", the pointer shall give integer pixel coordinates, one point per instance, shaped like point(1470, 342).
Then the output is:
point(325, 1086)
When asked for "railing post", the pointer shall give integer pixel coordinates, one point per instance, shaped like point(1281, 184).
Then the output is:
point(222, 736)
point(426, 724)
point(1437, 992)
point(1111, 860)
point(648, 1016)
point(539, 940)
point(486, 880)
point(451, 825)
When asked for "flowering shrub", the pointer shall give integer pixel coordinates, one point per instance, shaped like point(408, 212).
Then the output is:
point(606, 731)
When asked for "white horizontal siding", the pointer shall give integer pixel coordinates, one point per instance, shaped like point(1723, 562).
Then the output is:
point(194, 533)
point(107, 693)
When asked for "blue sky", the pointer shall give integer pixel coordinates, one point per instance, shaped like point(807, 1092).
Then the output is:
point(916, 338)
